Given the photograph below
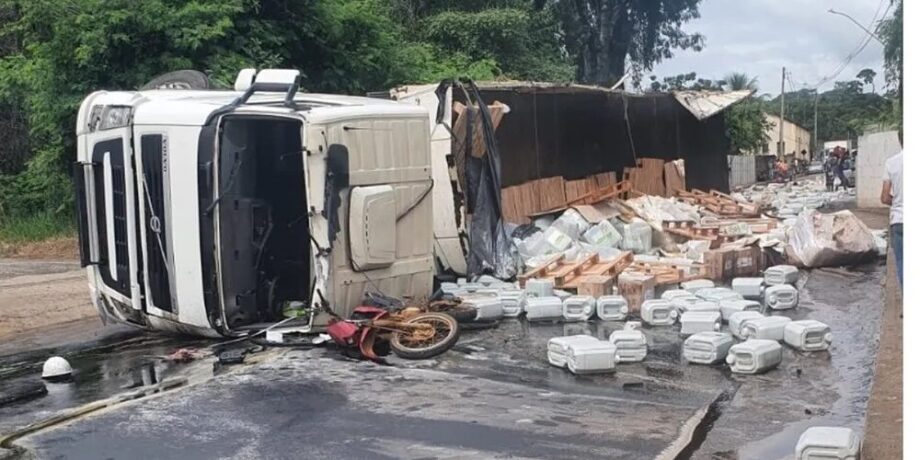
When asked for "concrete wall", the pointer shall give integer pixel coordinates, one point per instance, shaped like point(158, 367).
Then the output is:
point(741, 170)
point(874, 149)
point(796, 138)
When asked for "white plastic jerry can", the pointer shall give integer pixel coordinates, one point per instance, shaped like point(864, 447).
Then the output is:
point(703, 306)
point(612, 308)
point(538, 287)
point(749, 288)
point(768, 328)
point(656, 312)
point(737, 320)
point(672, 294)
point(730, 307)
point(807, 335)
point(827, 442)
point(632, 346)
point(695, 285)
point(780, 274)
point(707, 347)
point(449, 288)
point(590, 357)
point(556, 347)
point(578, 308)
point(754, 356)
point(683, 304)
point(512, 302)
point(781, 297)
point(543, 308)
point(692, 322)
point(488, 308)
point(715, 294)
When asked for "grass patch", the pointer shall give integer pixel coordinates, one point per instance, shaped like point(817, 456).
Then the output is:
point(36, 227)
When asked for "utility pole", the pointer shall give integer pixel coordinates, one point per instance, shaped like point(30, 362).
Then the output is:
point(781, 146)
point(814, 134)
point(871, 34)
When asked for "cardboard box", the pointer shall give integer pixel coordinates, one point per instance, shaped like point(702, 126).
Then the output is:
point(747, 261)
point(720, 263)
point(595, 285)
point(636, 288)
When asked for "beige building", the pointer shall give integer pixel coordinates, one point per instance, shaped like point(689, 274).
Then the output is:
point(796, 139)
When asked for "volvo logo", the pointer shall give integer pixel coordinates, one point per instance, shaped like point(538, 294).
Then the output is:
point(155, 225)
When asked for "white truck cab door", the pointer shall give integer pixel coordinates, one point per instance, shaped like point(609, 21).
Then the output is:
point(105, 187)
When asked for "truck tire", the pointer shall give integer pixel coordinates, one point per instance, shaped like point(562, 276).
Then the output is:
point(180, 79)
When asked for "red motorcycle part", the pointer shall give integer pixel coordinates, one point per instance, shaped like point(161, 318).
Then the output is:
point(343, 332)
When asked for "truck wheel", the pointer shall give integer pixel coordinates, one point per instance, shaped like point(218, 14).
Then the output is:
point(180, 79)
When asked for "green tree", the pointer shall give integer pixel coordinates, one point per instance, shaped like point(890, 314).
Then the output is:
point(867, 76)
point(737, 81)
point(602, 35)
point(746, 125)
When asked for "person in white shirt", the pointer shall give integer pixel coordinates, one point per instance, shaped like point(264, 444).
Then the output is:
point(893, 195)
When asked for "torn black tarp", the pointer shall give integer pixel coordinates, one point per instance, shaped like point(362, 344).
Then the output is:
point(490, 250)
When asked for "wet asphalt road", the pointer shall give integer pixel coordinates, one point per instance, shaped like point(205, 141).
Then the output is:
point(493, 395)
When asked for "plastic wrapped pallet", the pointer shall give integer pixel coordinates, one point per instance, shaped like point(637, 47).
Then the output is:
point(637, 237)
point(823, 240)
point(571, 223)
point(603, 234)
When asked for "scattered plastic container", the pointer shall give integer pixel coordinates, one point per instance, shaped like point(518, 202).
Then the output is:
point(692, 322)
point(637, 237)
point(781, 297)
point(754, 356)
point(512, 302)
point(695, 285)
point(556, 347)
point(684, 303)
point(656, 312)
point(612, 308)
point(707, 347)
point(715, 294)
point(703, 306)
point(543, 308)
point(571, 223)
point(562, 294)
point(807, 335)
point(732, 306)
point(632, 346)
point(603, 234)
point(488, 308)
point(767, 328)
point(672, 294)
point(780, 274)
point(489, 281)
point(578, 308)
point(584, 357)
point(736, 321)
point(556, 239)
point(826, 442)
point(749, 288)
point(538, 287)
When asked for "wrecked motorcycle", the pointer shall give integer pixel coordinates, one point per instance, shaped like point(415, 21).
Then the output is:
point(409, 333)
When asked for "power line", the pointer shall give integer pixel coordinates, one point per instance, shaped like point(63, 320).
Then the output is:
point(849, 58)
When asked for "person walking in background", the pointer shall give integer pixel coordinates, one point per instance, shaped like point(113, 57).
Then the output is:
point(829, 173)
point(893, 195)
point(838, 170)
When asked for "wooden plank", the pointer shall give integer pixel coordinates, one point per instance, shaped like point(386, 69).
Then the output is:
point(537, 272)
point(575, 269)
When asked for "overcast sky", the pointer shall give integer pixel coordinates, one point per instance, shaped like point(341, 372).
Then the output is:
point(759, 37)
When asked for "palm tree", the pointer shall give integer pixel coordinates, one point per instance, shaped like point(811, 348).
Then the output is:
point(737, 81)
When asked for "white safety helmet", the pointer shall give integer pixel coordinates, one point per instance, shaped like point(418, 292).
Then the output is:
point(56, 367)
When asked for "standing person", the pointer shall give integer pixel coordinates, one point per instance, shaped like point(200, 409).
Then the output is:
point(893, 195)
point(838, 170)
point(829, 173)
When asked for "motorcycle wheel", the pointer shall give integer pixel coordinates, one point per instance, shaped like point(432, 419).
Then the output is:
point(447, 332)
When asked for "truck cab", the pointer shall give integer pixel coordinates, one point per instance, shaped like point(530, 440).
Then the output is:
point(208, 212)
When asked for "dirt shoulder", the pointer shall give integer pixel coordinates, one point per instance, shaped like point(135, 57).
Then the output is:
point(62, 248)
point(885, 421)
point(40, 294)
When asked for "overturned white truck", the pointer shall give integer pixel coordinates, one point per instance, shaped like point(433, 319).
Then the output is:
point(206, 212)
